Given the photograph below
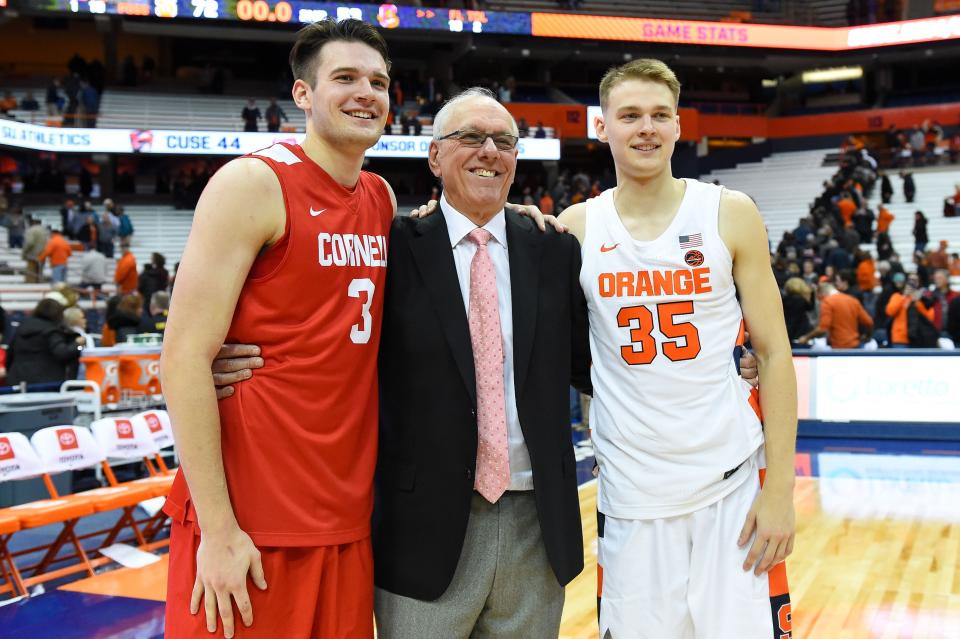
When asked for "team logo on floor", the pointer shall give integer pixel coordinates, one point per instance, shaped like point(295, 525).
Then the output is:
point(693, 258)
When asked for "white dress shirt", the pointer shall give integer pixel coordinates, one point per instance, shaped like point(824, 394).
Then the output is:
point(459, 226)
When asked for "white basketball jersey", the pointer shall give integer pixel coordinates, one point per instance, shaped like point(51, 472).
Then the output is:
point(670, 414)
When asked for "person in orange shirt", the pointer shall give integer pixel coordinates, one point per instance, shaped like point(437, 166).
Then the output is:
point(847, 207)
point(897, 307)
point(884, 219)
point(866, 272)
point(546, 203)
point(842, 319)
point(59, 251)
point(125, 276)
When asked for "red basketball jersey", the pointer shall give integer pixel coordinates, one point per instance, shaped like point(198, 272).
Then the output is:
point(299, 439)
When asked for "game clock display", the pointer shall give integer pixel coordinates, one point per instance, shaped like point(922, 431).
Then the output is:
point(386, 16)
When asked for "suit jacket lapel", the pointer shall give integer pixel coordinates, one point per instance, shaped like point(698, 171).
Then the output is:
point(434, 258)
point(524, 244)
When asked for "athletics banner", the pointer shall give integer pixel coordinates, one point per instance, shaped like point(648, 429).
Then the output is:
point(182, 142)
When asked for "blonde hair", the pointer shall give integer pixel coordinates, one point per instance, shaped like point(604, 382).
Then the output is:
point(643, 69)
point(796, 286)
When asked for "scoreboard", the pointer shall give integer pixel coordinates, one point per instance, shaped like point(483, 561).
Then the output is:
point(386, 16)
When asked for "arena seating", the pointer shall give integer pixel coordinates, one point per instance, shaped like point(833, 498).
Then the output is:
point(785, 184)
point(138, 110)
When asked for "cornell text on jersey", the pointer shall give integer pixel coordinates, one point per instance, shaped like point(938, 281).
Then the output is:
point(349, 249)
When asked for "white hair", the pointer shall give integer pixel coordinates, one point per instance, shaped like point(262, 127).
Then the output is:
point(473, 93)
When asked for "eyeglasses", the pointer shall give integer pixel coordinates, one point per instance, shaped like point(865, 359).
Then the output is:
point(476, 139)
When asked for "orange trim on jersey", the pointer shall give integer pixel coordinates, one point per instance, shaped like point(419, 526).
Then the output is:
point(778, 580)
point(599, 580)
point(742, 334)
point(754, 401)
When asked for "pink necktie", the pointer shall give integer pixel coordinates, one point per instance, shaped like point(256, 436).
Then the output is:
point(493, 463)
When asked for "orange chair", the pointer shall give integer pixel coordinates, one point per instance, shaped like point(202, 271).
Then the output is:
point(19, 461)
point(64, 448)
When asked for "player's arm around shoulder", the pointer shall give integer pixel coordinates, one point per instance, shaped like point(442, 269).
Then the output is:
point(772, 515)
point(240, 211)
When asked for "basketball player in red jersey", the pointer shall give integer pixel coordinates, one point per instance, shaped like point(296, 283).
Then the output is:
point(288, 251)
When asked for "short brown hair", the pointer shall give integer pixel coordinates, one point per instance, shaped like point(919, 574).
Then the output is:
point(304, 57)
point(643, 69)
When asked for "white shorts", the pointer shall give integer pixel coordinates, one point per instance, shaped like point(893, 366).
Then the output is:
point(683, 578)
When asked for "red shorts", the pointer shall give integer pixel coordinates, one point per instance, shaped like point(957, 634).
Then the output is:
point(318, 592)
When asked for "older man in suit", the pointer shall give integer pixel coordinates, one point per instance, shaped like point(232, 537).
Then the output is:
point(477, 523)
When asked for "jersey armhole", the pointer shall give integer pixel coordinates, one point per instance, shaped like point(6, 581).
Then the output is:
point(716, 224)
point(270, 259)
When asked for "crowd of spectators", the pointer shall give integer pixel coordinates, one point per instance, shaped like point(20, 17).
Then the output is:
point(838, 291)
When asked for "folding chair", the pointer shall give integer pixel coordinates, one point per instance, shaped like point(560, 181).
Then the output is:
point(158, 423)
point(65, 448)
point(18, 461)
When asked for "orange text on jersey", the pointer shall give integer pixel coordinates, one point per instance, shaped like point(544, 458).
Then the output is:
point(654, 283)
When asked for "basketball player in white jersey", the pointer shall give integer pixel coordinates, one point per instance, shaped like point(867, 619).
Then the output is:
point(691, 545)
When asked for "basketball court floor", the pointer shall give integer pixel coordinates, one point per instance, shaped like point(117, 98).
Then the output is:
point(877, 557)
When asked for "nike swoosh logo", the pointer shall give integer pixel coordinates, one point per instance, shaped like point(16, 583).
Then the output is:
point(606, 249)
point(316, 213)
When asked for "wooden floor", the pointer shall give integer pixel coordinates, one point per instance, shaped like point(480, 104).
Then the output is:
point(873, 560)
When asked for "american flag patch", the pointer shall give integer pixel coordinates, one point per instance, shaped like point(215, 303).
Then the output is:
point(689, 241)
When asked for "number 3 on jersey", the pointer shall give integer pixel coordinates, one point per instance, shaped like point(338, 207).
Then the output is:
point(360, 332)
point(683, 339)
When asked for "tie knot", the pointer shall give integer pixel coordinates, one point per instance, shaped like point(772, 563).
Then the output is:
point(480, 236)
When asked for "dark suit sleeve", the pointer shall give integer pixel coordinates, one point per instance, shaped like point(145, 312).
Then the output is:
point(579, 329)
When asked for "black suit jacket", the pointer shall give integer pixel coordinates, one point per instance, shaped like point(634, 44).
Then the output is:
point(428, 432)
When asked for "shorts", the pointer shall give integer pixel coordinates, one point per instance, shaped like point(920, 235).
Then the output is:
point(317, 592)
point(682, 577)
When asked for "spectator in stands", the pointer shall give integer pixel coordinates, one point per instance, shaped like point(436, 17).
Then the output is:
point(955, 264)
point(68, 213)
point(954, 150)
point(920, 231)
point(14, 223)
point(156, 321)
point(866, 277)
point(886, 188)
point(8, 103)
point(546, 203)
point(42, 348)
point(250, 116)
point(863, 224)
point(884, 219)
point(541, 130)
point(523, 130)
point(93, 271)
point(129, 72)
point(942, 296)
point(87, 233)
point(909, 187)
point(126, 317)
point(154, 277)
point(106, 233)
point(845, 281)
point(34, 241)
point(940, 258)
point(842, 319)
point(29, 103)
point(125, 274)
point(71, 89)
point(75, 320)
point(898, 310)
point(54, 100)
point(273, 116)
point(89, 104)
point(846, 207)
point(797, 305)
point(407, 122)
point(124, 223)
point(59, 251)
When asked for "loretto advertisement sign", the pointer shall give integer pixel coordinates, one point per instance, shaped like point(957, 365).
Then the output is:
point(162, 141)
